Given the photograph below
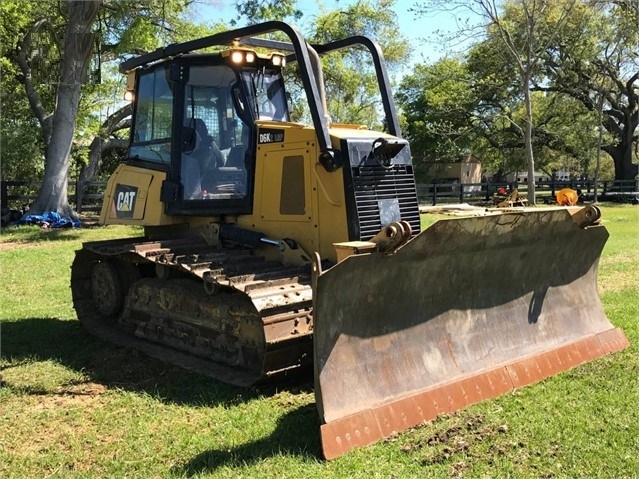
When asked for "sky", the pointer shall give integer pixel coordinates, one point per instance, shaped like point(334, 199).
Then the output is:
point(421, 32)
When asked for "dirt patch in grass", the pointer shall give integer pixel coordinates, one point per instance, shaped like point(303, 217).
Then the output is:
point(9, 245)
point(76, 395)
point(458, 440)
point(45, 422)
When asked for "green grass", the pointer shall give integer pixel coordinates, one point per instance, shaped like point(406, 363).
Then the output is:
point(74, 406)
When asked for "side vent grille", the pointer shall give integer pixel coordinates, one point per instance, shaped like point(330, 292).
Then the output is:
point(380, 194)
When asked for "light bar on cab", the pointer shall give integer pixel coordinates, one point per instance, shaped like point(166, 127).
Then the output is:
point(240, 56)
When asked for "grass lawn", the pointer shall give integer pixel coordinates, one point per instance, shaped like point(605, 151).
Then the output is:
point(74, 406)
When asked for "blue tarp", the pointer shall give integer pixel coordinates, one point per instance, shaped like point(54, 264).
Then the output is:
point(50, 219)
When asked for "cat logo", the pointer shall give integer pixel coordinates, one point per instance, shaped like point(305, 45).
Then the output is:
point(124, 200)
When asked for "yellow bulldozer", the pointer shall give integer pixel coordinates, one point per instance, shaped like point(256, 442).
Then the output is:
point(272, 248)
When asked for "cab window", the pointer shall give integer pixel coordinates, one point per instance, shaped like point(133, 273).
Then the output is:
point(214, 140)
point(151, 140)
point(267, 94)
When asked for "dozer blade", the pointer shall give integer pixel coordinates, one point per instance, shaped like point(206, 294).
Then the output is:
point(467, 310)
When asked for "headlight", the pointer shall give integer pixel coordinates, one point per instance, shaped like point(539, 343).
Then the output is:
point(278, 61)
point(237, 57)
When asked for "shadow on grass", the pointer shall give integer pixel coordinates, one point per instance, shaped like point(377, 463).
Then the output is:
point(296, 434)
point(66, 342)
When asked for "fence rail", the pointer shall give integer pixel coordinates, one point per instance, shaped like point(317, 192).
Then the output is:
point(545, 191)
point(87, 196)
point(83, 196)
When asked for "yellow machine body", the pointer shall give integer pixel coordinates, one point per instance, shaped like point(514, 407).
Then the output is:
point(294, 196)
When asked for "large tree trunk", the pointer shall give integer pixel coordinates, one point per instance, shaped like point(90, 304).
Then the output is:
point(53, 194)
point(98, 148)
point(105, 142)
point(78, 44)
point(621, 155)
point(621, 152)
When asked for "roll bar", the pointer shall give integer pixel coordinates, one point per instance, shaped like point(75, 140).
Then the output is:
point(302, 53)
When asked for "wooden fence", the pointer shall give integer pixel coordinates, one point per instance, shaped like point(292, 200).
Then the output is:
point(545, 191)
point(87, 196)
point(83, 196)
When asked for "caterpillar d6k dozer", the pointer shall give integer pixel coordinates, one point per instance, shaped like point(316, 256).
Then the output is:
point(272, 247)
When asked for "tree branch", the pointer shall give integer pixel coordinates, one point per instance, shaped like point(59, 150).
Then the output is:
point(106, 140)
point(22, 49)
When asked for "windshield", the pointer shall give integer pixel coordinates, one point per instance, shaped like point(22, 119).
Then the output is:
point(266, 93)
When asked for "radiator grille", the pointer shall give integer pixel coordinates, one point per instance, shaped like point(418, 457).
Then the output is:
point(372, 185)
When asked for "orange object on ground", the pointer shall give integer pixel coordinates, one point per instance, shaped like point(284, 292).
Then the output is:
point(567, 197)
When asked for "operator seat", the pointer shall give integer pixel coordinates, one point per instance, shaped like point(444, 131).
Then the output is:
point(206, 151)
point(238, 155)
point(200, 157)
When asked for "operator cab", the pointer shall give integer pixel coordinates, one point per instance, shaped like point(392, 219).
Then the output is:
point(194, 117)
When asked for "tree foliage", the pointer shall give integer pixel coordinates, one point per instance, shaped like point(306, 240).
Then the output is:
point(585, 60)
point(351, 84)
point(437, 106)
point(597, 64)
point(256, 11)
point(33, 35)
point(22, 143)
point(581, 69)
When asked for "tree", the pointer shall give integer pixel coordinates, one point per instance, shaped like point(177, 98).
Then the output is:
point(437, 105)
point(19, 130)
point(351, 84)
point(587, 52)
point(562, 132)
point(256, 11)
point(58, 127)
point(458, 107)
point(59, 39)
point(596, 62)
point(107, 140)
point(524, 29)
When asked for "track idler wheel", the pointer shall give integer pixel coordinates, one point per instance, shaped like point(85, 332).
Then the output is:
point(110, 282)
